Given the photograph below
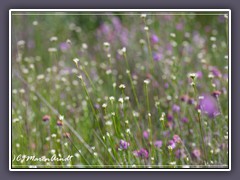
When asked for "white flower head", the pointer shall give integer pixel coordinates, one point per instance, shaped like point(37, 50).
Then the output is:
point(111, 98)
point(61, 117)
point(120, 100)
point(146, 81)
point(143, 15)
point(104, 105)
point(52, 49)
point(84, 46)
point(122, 86)
point(192, 75)
point(106, 44)
point(53, 38)
point(124, 50)
point(35, 23)
point(76, 60)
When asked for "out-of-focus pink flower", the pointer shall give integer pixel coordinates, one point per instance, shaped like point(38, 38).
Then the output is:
point(123, 144)
point(158, 144)
point(154, 39)
point(196, 153)
point(142, 153)
point(145, 134)
point(209, 105)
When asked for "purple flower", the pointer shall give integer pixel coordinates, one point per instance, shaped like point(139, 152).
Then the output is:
point(176, 108)
point(166, 85)
point(209, 105)
point(190, 101)
point(142, 153)
point(145, 134)
point(215, 71)
point(169, 117)
point(176, 138)
point(123, 144)
point(185, 120)
point(179, 26)
point(158, 144)
point(180, 153)
point(154, 38)
point(196, 153)
point(64, 46)
point(172, 144)
point(157, 56)
point(116, 23)
point(199, 74)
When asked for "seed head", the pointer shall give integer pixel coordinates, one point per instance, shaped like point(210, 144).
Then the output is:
point(66, 135)
point(60, 123)
point(46, 118)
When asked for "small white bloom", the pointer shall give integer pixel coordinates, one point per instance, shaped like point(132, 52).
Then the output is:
point(210, 76)
point(77, 155)
point(146, 28)
point(173, 35)
point(35, 23)
point(135, 114)
point(52, 49)
point(213, 38)
point(124, 49)
point(192, 75)
point(104, 105)
point(108, 123)
point(54, 38)
point(146, 81)
point(109, 71)
point(76, 60)
point(40, 76)
point(80, 77)
point(21, 43)
point(170, 148)
point(54, 135)
point(120, 100)
point(84, 46)
point(173, 163)
point(53, 151)
point(143, 15)
point(111, 98)
point(122, 86)
point(142, 41)
point(61, 117)
point(106, 44)
point(201, 97)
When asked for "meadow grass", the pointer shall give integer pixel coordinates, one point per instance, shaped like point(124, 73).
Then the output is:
point(120, 91)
